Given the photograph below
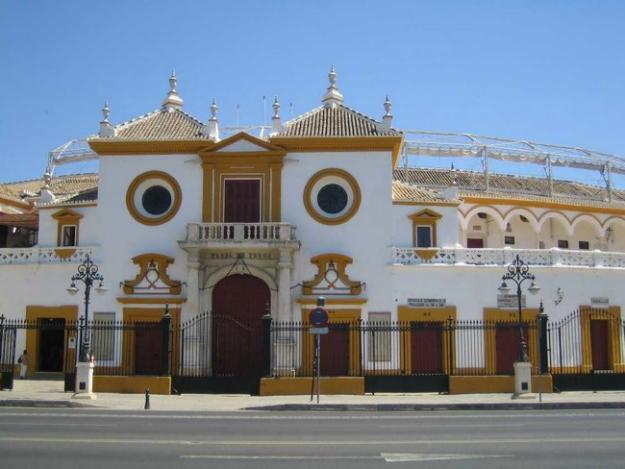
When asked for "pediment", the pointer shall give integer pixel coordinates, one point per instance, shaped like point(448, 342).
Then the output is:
point(244, 143)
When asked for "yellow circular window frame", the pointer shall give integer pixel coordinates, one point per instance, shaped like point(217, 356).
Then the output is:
point(320, 217)
point(175, 205)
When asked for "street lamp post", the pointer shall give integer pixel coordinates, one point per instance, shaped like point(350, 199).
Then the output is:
point(518, 272)
point(88, 273)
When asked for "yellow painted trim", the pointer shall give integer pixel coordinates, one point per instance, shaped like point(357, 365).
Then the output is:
point(347, 177)
point(322, 262)
point(407, 314)
point(250, 138)
point(173, 210)
point(425, 217)
point(66, 217)
point(334, 316)
point(332, 301)
point(426, 203)
point(33, 314)
point(162, 264)
point(64, 253)
point(132, 384)
point(110, 147)
point(495, 384)
point(495, 315)
point(542, 204)
point(326, 144)
point(288, 386)
point(15, 203)
point(612, 314)
point(169, 300)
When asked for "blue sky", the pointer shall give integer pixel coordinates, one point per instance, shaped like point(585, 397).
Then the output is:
point(548, 71)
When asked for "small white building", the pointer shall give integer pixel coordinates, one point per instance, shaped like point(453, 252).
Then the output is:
point(319, 206)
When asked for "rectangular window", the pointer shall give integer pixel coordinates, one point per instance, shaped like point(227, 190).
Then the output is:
point(103, 336)
point(584, 245)
point(475, 243)
point(424, 236)
point(68, 237)
point(509, 240)
point(379, 337)
point(563, 243)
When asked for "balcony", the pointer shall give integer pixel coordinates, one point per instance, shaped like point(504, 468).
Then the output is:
point(246, 235)
point(37, 255)
point(500, 257)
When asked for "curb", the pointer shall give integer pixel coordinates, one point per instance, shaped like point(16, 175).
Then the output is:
point(37, 403)
point(440, 407)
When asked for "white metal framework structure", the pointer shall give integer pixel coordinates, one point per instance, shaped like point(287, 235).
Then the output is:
point(452, 144)
point(429, 143)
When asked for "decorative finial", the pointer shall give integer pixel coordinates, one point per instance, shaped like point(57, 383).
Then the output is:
point(172, 101)
point(276, 125)
point(388, 106)
point(276, 108)
point(106, 129)
point(333, 96)
point(173, 81)
point(106, 111)
point(214, 109)
point(387, 118)
point(211, 130)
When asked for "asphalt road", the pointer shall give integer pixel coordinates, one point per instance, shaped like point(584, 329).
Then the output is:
point(68, 438)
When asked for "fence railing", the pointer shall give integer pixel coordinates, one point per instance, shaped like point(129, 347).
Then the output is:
point(367, 348)
point(589, 340)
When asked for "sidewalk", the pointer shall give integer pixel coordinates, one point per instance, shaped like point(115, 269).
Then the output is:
point(31, 393)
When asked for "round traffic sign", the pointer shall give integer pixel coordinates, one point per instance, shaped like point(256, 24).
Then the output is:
point(318, 317)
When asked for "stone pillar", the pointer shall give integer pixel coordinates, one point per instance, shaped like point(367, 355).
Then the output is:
point(284, 352)
point(193, 286)
point(285, 265)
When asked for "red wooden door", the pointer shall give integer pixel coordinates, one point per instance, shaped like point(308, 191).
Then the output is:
point(506, 348)
point(335, 351)
point(239, 303)
point(477, 243)
point(241, 201)
point(148, 348)
point(599, 344)
point(426, 346)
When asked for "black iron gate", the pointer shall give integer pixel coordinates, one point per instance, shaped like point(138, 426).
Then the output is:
point(7, 354)
point(220, 354)
point(585, 351)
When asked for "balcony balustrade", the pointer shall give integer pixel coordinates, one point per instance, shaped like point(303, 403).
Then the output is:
point(245, 234)
point(37, 255)
point(500, 257)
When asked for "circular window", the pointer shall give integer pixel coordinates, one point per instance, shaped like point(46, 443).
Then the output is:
point(332, 196)
point(332, 199)
point(153, 198)
point(156, 200)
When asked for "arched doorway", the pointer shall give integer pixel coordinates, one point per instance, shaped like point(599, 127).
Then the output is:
point(239, 303)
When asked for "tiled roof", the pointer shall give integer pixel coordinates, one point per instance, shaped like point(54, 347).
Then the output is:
point(338, 121)
point(472, 184)
point(404, 192)
point(160, 124)
point(59, 185)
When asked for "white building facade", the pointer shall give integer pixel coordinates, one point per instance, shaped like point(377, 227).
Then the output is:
point(243, 225)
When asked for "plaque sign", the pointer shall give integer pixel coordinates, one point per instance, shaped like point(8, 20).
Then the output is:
point(510, 301)
point(427, 302)
point(600, 301)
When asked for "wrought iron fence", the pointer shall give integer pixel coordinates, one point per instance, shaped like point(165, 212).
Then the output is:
point(414, 348)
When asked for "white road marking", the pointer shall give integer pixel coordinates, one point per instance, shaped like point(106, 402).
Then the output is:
point(458, 425)
point(329, 443)
point(405, 457)
point(344, 416)
point(299, 458)
point(56, 424)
